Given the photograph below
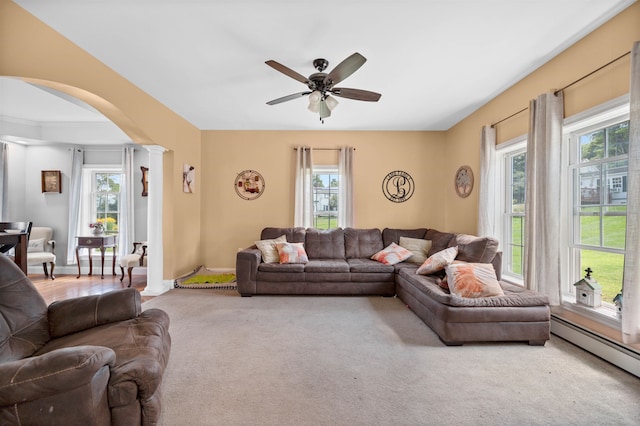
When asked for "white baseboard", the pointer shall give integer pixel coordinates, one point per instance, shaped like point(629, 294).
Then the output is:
point(605, 348)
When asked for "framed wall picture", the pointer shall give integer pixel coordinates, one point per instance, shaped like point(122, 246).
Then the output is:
point(145, 180)
point(51, 181)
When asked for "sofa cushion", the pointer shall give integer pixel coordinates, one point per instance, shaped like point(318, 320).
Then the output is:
point(472, 280)
point(439, 240)
point(325, 244)
point(293, 235)
point(368, 265)
point(392, 235)
point(327, 265)
point(419, 247)
point(292, 253)
point(362, 243)
point(269, 250)
point(281, 267)
point(437, 261)
point(475, 249)
point(514, 296)
point(392, 254)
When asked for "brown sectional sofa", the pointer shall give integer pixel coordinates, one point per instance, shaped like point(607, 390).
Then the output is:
point(340, 264)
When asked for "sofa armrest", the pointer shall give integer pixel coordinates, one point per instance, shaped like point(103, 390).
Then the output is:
point(81, 313)
point(247, 262)
point(55, 372)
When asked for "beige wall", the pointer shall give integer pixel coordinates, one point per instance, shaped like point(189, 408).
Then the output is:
point(229, 222)
point(608, 42)
point(33, 51)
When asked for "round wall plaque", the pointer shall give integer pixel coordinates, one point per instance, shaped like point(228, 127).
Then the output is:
point(463, 181)
point(398, 186)
point(249, 185)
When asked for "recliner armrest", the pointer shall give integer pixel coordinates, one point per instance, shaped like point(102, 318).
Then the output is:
point(55, 372)
point(81, 313)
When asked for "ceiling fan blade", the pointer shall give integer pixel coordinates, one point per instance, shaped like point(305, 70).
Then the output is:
point(357, 94)
point(287, 71)
point(324, 110)
point(288, 98)
point(345, 68)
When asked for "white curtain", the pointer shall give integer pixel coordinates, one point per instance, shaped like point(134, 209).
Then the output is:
point(126, 229)
point(487, 190)
point(345, 171)
point(303, 214)
point(3, 181)
point(77, 160)
point(542, 268)
point(631, 278)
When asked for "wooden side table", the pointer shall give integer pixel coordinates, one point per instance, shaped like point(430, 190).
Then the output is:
point(100, 242)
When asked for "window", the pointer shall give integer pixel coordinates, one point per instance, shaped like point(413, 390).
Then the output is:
point(598, 181)
point(512, 157)
point(105, 196)
point(326, 183)
point(100, 198)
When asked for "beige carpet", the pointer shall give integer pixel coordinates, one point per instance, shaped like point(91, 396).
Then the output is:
point(368, 361)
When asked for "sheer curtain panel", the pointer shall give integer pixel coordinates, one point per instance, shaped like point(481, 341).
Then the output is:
point(126, 230)
point(77, 160)
point(542, 268)
point(631, 277)
point(487, 191)
point(345, 170)
point(303, 214)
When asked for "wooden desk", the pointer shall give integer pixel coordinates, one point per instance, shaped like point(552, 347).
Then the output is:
point(100, 242)
point(20, 240)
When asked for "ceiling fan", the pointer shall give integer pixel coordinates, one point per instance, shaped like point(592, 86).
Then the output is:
point(321, 84)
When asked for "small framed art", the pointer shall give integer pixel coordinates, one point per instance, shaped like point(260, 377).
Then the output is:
point(51, 181)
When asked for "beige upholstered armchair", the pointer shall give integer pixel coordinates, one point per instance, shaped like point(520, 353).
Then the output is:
point(42, 249)
point(137, 258)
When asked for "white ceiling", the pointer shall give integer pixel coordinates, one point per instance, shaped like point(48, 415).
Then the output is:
point(434, 61)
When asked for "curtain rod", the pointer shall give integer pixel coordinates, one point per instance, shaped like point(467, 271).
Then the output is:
point(567, 86)
point(321, 149)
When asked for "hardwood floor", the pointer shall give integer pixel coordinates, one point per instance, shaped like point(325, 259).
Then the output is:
point(68, 286)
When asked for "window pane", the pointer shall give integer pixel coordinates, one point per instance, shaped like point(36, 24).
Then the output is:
point(114, 183)
point(518, 164)
point(590, 185)
point(607, 270)
point(618, 139)
point(616, 178)
point(517, 245)
point(101, 203)
point(112, 202)
point(112, 222)
point(614, 226)
point(592, 146)
point(589, 226)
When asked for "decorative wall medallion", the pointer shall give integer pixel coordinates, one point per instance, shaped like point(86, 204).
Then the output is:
point(398, 186)
point(464, 181)
point(249, 184)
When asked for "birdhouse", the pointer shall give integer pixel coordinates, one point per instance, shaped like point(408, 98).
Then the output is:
point(618, 302)
point(588, 291)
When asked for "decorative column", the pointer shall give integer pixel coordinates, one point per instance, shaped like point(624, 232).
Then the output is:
point(155, 271)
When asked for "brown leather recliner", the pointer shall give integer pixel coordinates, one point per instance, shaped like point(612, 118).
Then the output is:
point(93, 360)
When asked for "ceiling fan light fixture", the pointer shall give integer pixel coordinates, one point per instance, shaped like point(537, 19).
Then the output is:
point(331, 102)
point(314, 101)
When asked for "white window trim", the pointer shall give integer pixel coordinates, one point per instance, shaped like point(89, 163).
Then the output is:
point(502, 151)
point(599, 116)
point(332, 169)
point(85, 216)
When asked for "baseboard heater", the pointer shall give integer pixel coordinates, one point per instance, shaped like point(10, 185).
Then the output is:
point(601, 346)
